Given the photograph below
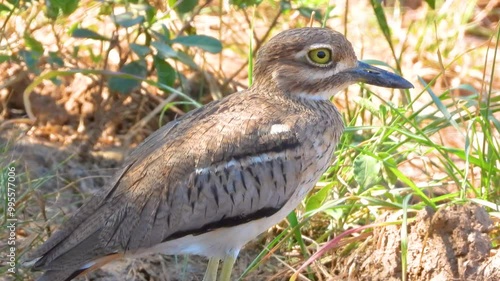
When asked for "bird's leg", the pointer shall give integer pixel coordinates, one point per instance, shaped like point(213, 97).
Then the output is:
point(227, 268)
point(211, 273)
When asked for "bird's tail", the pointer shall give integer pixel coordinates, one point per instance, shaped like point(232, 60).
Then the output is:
point(70, 274)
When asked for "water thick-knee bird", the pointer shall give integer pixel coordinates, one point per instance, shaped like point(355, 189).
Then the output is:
point(215, 178)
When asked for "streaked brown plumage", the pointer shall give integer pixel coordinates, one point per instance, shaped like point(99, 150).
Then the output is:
point(212, 180)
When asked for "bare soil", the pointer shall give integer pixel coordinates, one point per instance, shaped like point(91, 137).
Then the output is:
point(450, 244)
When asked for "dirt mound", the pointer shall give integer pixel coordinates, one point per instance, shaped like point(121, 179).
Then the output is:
point(450, 244)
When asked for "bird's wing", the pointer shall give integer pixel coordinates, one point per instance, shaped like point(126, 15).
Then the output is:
point(215, 167)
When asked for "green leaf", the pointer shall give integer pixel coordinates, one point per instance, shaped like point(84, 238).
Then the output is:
point(166, 73)
point(66, 7)
point(33, 44)
point(366, 171)
point(128, 20)
point(31, 59)
point(127, 85)
point(307, 12)
point(243, 4)
point(151, 15)
point(285, 5)
point(294, 223)
point(417, 191)
point(187, 60)
point(388, 175)
point(316, 200)
point(4, 8)
point(88, 34)
point(105, 9)
point(56, 81)
point(381, 19)
point(163, 34)
point(164, 50)
point(437, 101)
point(76, 50)
point(95, 57)
point(55, 59)
point(140, 50)
point(184, 6)
point(431, 3)
point(4, 58)
point(207, 43)
point(336, 214)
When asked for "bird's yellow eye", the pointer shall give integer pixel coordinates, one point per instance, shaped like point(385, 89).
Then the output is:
point(320, 55)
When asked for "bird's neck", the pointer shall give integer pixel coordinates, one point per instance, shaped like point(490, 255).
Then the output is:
point(294, 86)
point(271, 87)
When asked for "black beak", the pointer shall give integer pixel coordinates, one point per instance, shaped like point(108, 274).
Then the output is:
point(368, 74)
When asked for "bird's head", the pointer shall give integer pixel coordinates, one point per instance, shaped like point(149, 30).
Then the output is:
point(316, 63)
